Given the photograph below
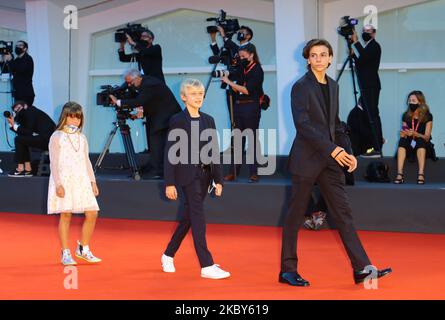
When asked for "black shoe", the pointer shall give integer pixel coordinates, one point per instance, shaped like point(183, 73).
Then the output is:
point(293, 279)
point(360, 276)
point(17, 174)
point(371, 153)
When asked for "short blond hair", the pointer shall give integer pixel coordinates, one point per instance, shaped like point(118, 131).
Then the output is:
point(190, 83)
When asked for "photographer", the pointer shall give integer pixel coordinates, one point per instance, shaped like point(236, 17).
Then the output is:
point(159, 104)
point(247, 110)
point(148, 56)
point(33, 128)
point(244, 35)
point(22, 70)
point(367, 61)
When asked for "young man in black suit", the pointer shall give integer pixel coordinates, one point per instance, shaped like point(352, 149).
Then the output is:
point(187, 168)
point(317, 156)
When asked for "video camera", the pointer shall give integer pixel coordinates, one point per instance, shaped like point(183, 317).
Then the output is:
point(230, 26)
point(120, 92)
point(133, 30)
point(5, 47)
point(347, 25)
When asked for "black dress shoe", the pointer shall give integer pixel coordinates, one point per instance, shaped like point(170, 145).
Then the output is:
point(293, 279)
point(361, 276)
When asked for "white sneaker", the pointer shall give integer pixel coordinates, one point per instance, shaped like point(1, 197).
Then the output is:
point(83, 252)
point(167, 264)
point(67, 259)
point(214, 272)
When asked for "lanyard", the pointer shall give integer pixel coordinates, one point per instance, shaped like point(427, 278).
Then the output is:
point(251, 67)
point(412, 124)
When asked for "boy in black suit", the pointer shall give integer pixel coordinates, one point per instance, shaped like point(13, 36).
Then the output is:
point(317, 156)
point(193, 175)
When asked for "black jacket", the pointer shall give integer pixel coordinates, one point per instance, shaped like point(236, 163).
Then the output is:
point(149, 59)
point(316, 136)
point(33, 120)
point(183, 174)
point(368, 64)
point(158, 101)
point(22, 70)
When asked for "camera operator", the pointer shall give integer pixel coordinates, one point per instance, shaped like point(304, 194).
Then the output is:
point(367, 64)
point(247, 111)
point(22, 70)
point(33, 128)
point(148, 55)
point(244, 35)
point(159, 104)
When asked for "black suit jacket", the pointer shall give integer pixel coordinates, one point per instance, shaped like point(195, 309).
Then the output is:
point(149, 59)
point(22, 70)
point(318, 133)
point(158, 101)
point(183, 174)
point(368, 64)
point(33, 120)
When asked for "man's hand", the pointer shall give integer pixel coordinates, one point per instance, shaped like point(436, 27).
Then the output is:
point(130, 40)
point(170, 192)
point(218, 190)
point(122, 46)
point(10, 121)
point(344, 159)
point(221, 31)
point(95, 189)
point(60, 191)
point(113, 100)
point(213, 37)
point(354, 37)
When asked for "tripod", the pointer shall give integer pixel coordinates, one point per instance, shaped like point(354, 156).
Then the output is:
point(124, 129)
point(349, 60)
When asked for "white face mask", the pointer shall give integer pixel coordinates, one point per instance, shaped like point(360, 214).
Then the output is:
point(71, 129)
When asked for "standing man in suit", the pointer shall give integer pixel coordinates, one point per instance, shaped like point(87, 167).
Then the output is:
point(146, 54)
point(159, 105)
point(367, 62)
point(22, 69)
point(194, 177)
point(318, 156)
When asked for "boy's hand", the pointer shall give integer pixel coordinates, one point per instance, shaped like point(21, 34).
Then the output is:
point(95, 189)
point(60, 191)
point(170, 192)
point(218, 190)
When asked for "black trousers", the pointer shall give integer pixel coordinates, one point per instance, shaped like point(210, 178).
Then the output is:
point(370, 97)
point(194, 218)
point(247, 116)
point(331, 183)
point(23, 143)
point(157, 141)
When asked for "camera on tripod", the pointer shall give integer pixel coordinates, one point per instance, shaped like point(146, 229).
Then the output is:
point(133, 30)
point(5, 47)
point(347, 26)
point(230, 26)
point(120, 92)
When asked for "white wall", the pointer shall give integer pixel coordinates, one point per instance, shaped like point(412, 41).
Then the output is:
point(12, 19)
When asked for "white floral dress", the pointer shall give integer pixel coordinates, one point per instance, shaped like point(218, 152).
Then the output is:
point(71, 168)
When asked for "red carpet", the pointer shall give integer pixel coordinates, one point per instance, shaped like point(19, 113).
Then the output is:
point(131, 251)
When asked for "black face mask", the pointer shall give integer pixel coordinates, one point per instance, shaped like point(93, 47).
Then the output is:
point(143, 43)
point(244, 62)
point(413, 106)
point(18, 51)
point(366, 36)
point(240, 36)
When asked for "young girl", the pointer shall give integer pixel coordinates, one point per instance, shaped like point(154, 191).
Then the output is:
point(72, 185)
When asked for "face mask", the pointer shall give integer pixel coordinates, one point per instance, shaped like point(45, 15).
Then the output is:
point(413, 106)
point(366, 36)
point(244, 63)
point(71, 129)
point(18, 51)
point(240, 36)
point(143, 43)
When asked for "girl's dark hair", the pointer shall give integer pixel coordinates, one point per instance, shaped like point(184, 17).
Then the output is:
point(250, 48)
point(70, 109)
